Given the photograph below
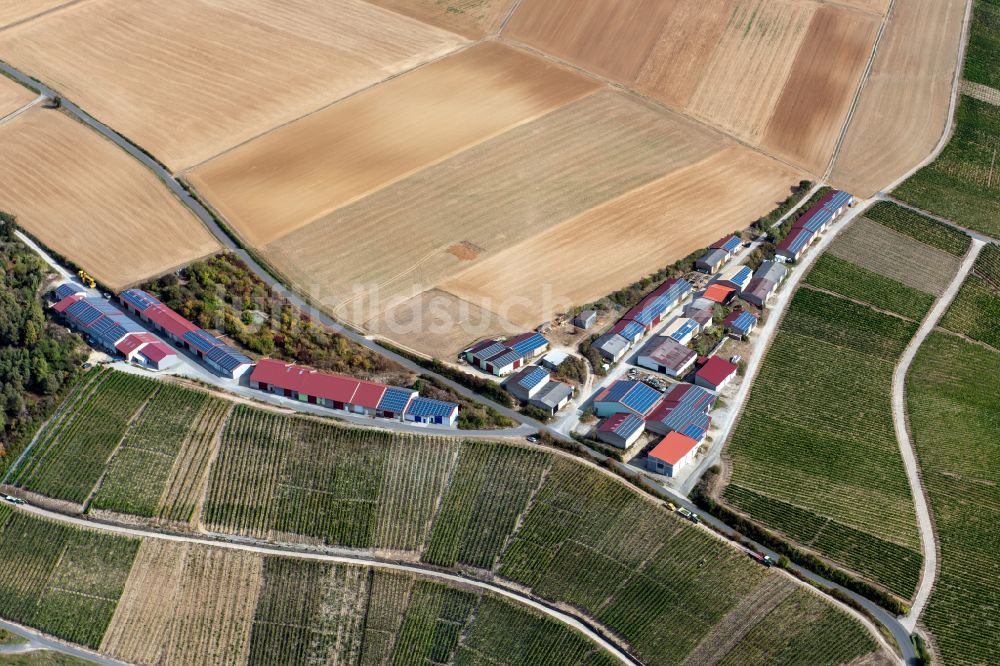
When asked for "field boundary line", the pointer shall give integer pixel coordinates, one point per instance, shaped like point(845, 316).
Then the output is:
point(928, 542)
point(53, 10)
point(975, 235)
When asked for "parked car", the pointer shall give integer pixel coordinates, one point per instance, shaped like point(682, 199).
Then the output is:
point(532, 439)
point(693, 517)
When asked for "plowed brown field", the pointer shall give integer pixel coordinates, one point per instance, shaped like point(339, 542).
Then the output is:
point(904, 106)
point(396, 242)
point(303, 171)
point(187, 79)
point(777, 73)
point(12, 11)
point(12, 96)
point(472, 18)
point(810, 113)
point(629, 237)
point(88, 200)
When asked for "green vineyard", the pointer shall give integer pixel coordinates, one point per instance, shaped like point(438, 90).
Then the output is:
point(917, 226)
point(955, 424)
point(975, 312)
point(815, 455)
point(842, 277)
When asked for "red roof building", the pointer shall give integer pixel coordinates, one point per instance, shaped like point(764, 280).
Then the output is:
point(61, 306)
point(133, 341)
point(673, 453)
point(169, 321)
point(715, 374)
point(156, 352)
point(719, 293)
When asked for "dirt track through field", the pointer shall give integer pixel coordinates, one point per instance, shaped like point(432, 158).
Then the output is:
point(12, 11)
point(187, 79)
point(303, 171)
point(626, 239)
point(90, 202)
point(904, 106)
point(12, 96)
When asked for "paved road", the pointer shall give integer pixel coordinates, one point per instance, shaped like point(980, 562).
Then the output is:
point(39, 641)
point(206, 217)
point(899, 418)
point(579, 624)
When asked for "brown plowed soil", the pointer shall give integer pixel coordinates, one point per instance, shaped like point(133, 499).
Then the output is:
point(472, 18)
point(904, 106)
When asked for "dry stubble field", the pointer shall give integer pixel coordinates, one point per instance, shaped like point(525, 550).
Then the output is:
point(88, 200)
point(472, 18)
point(300, 172)
point(12, 11)
point(904, 106)
point(187, 79)
point(780, 75)
point(12, 96)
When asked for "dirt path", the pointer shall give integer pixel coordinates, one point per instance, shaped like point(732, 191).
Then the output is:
point(928, 543)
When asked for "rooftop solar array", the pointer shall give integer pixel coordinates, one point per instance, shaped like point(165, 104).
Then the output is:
point(529, 344)
point(730, 244)
point(686, 329)
point(635, 395)
point(839, 200)
point(741, 275)
point(816, 221)
point(67, 289)
point(201, 340)
point(798, 240)
point(744, 321)
point(395, 399)
point(628, 427)
point(533, 377)
point(425, 407)
point(138, 299)
point(227, 358)
point(505, 359)
point(631, 331)
point(486, 353)
point(691, 409)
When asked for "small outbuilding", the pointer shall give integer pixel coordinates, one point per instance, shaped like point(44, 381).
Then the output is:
point(682, 329)
point(740, 323)
point(720, 293)
point(737, 277)
point(554, 359)
point(715, 374)
point(712, 261)
point(527, 382)
point(553, 396)
point(621, 430)
point(611, 347)
point(672, 454)
point(585, 319)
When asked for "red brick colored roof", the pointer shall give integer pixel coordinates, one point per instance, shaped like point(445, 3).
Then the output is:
point(672, 448)
point(719, 293)
point(309, 381)
point(169, 320)
point(156, 351)
point(61, 306)
point(133, 341)
point(716, 370)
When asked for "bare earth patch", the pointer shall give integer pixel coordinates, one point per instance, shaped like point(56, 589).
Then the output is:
point(12, 96)
point(300, 172)
point(88, 200)
point(904, 106)
point(187, 79)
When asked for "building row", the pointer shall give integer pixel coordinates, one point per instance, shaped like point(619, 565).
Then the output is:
point(348, 394)
point(642, 318)
point(217, 355)
point(815, 221)
point(501, 358)
point(109, 329)
point(534, 386)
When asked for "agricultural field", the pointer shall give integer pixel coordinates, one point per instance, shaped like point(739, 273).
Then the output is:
point(652, 228)
point(63, 581)
point(903, 109)
point(842, 277)
point(895, 256)
point(181, 57)
point(815, 454)
point(953, 422)
point(461, 211)
point(471, 18)
point(976, 309)
point(922, 228)
point(963, 183)
point(301, 172)
point(984, 38)
point(68, 186)
point(12, 96)
point(780, 75)
point(14, 11)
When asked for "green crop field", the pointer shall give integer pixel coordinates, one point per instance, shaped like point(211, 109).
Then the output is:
point(975, 312)
point(984, 44)
point(63, 581)
point(963, 183)
point(860, 284)
point(954, 420)
point(815, 455)
point(922, 228)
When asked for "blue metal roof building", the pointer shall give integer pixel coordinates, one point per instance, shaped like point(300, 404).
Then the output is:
point(529, 344)
point(425, 410)
point(67, 289)
point(685, 331)
point(685, 410)
point(627, 396)
point(740, 323)
point(395, 400)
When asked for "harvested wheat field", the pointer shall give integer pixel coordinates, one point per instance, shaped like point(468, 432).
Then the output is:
point(438, 323)
point(13, 11)
point(89, 201)
point(626, 239)
point(904, 106)
point(472, 18)
point(818, 94)
point(777, 73)
point(12, 96)
point(303, 171)
point(141, 622)
point(401, 240)
point(187, 79)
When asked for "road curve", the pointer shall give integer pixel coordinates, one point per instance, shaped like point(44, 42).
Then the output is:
point(928, 545)
point(39, 641)
point(579, 624)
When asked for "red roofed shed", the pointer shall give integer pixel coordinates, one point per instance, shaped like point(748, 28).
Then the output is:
point(715, 374)
point(672, 454)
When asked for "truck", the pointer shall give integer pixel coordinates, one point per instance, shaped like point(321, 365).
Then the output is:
point(762, 558)
point(693, 517)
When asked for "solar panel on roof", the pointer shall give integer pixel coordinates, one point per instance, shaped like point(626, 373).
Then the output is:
point(533, 377)
point(488, 352)
point(139, 299)
point(503, 360)
point(227, 358)
point(640, 398)
point(201, 340)
point(85, 312)
point(632, 330)
point(742, 274)
point(839, 200)
point(66, 289)
point(731, 244)
point(528, 345)
point(745, 320)
point(112, 334)
point(685, 329)
point(394, 399)
point(425, 407)
point(628, 426)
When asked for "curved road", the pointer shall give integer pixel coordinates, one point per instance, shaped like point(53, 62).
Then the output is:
point(287, 551)
point(40, 641)
point(899, 418)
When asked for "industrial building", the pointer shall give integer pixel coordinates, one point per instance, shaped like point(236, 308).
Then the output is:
point(729, 245)
point(109, 329)
point(715, 374)
point(737, 277)
point(349, 394)
point(740, 323)
point(712, 261)
point(666, 355)
point(621, 430)
point(502, 358)
point(684, 409)
point(682, 329)
point(647, 314)
point(626, 396)
point(701, 310)
point(611, 347)
point(794, 245)
point(814, 222)
point(766, 280)
point(672, 454)
point(218, 356)
point(719, 293)
point(535, 386)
